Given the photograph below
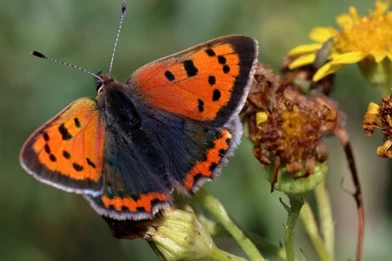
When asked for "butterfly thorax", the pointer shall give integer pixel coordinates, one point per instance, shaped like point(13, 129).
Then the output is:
point(115, 101)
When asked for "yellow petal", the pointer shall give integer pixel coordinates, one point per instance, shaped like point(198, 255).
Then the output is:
point(353, 13)
point(304, 49)
point(261, 117)
point(344, 20)
point(389, 56)
point(320, 34)
point(373, 108)
point(348, 58)
point(303, 60)
point(379, 55)
point(325, 70)
point(333, 31)
point(381, 7)
point(333, 55)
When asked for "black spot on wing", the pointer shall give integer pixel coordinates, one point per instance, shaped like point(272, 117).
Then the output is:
point(216, 95)
point(200, 105)
point(221, 59)
point(169, 76)
point(197, 177)
point(77, 167)
point(47, 148)
point(89, 162)
point(140, 209)
point(156, 202)
point(64, 132)
point(211, 80)
point(46, 136)
point(213, 166)
point(77, 123)
point(222, 152)
point(66, 154)
point(226, 68)
point(190, 68)
point(52, 158)
point(210, 52)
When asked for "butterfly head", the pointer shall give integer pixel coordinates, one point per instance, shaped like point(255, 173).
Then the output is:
point(103, 82)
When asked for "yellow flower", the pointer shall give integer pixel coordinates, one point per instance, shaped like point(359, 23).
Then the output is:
point(362, 39)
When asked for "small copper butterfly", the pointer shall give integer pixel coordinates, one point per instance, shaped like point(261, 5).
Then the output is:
point(172, 124)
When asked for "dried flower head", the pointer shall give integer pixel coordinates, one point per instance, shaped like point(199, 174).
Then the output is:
point(380, 116)
point(291, 136)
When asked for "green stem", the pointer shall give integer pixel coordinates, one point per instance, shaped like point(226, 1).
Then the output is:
point(310, 226)
point(217, 230)
point(269, 247)
point(216, 208)
point(293, 213)
point(220, 255)
point(325, 217)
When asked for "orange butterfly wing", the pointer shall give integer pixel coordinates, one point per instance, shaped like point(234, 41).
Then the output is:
point(208, 82)
point(67, 152)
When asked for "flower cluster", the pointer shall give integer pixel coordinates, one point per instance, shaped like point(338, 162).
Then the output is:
point(366, 40)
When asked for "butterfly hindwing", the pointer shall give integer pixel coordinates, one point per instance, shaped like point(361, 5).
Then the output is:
point(136, 181)
point(208, 82)
point(67, 151)
point(192, 153)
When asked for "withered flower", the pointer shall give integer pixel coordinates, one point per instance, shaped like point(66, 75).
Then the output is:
point(288, 127)
point(291, 137)
point(380, 116)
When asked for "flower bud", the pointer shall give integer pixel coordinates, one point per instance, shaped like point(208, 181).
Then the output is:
point(178, 235)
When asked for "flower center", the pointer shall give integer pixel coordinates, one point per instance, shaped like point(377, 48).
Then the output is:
point(366, 34)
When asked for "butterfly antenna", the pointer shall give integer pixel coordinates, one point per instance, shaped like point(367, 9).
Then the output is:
point(123, 8)
point(40, 55)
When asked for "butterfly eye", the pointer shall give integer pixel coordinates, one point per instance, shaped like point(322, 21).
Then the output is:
point(99, 87)
point(98, 81)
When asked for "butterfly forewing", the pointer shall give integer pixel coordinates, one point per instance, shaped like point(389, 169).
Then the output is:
point(208, 82)
point(67, 151)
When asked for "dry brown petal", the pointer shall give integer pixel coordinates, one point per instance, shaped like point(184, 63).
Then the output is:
point(372, 119)
point(321, 153)
point(293, 167)
point(385, 151)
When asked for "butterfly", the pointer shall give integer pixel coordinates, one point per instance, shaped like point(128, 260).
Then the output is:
point(171, 125)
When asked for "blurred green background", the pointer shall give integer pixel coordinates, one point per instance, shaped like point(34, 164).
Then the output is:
point(38, 222)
